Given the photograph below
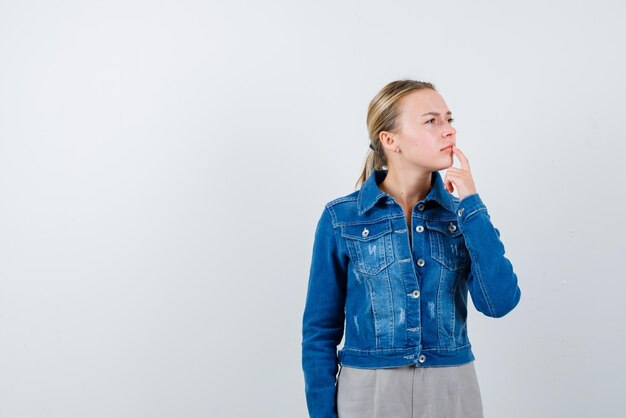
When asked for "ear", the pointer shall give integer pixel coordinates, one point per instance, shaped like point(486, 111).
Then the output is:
point(388, 141)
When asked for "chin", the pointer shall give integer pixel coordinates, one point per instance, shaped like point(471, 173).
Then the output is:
point(444, 166)
point(435, 164)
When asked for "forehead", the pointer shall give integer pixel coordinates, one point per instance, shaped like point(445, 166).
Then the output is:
point(423, 101)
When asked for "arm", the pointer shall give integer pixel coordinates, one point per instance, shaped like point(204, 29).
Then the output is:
point(491, 282)
point(323, 321)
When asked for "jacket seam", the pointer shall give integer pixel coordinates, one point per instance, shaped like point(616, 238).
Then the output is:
point(339, 200)
point(481, 283)
point(373, 351)
point(479, 209)
point(333, 221)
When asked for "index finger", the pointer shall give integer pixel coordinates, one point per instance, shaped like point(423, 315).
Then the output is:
point(462, 158)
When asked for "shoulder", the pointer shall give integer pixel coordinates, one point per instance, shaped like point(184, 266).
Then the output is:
point(341, 207)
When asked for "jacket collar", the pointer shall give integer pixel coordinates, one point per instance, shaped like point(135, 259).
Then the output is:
point(370, 194)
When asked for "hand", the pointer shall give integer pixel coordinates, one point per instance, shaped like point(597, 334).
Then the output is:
point(460, 177)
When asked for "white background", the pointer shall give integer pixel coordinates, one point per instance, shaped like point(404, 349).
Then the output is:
point(163, 166)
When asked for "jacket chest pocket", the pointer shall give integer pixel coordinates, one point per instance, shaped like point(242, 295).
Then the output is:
point(447, 245)
point(369, 245)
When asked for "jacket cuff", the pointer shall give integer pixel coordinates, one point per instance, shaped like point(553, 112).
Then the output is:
point(468, 206)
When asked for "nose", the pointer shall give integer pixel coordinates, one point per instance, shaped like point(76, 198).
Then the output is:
point(448, 130)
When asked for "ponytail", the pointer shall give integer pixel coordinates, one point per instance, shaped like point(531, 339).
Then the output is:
point(374, 160)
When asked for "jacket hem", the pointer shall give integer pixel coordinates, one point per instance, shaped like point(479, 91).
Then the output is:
point(380, 359)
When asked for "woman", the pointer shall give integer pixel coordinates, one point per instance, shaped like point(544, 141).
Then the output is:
point(392, 265)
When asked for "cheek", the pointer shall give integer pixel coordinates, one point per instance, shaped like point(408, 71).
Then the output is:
point(422, 139)
point(427, 143)
point(419, 138)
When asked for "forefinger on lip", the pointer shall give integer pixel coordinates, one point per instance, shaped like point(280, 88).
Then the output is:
point(461, 156)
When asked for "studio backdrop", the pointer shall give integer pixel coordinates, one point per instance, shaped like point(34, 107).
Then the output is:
point(163, 166)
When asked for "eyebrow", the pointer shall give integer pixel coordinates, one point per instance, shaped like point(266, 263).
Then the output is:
point(436, 113)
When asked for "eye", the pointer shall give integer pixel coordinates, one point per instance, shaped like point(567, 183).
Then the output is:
point(450, 120)
point(430, 120)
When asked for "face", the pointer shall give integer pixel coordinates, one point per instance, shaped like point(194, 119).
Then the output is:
point(424, 133)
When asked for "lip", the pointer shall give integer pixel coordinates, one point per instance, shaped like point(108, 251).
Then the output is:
point(448, 148)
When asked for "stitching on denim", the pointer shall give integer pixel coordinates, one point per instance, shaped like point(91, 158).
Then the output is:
point(370, 221)
point(373, 305)
point(390, 255)
point(361, 209)
point(447, 348)
point(441, 290)
point(333, 216)
point(439, 326)
point(358, 237)
point(361, 266)
point(342, 200)
point(452, 318)
point(390, 306)
point(480, 209)
point(334, 227)
point(440, 256)
point(436, 218)
point(394, 350)
point(481, 284)
point(380, 349)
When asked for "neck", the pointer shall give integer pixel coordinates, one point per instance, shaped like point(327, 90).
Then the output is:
point(407, 187)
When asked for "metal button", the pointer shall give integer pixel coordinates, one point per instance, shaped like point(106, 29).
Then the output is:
point(365, 232)
point(421, 262)
point(419, 228)
point(452, 228)
point(420, 207)
point(415, 294)
point(461, 211)
point(422, 358)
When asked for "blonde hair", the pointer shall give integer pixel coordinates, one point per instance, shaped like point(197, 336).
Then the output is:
point(382, 115)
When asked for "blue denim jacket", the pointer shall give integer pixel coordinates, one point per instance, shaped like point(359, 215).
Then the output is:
point(398, 302)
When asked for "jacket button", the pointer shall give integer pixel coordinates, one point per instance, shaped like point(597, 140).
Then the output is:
point(422, 358)
point(365, 232)
point(452, 227)
point(421, 262)
point(420, 207)
point(415, 294)
point(419, 228)
point(461, 211)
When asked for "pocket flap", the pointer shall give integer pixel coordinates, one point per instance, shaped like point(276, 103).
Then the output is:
point(366, 232)
point(449, 228)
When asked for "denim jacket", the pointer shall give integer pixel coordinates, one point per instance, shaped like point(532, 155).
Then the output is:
point(398, 302)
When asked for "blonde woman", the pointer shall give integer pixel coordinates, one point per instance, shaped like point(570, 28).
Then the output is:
point(392, 266)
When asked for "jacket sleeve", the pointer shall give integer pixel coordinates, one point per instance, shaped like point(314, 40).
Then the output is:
point(323, 321)
point(491, 281)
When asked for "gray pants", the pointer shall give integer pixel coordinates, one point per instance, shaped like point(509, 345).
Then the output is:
point(409, 392)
